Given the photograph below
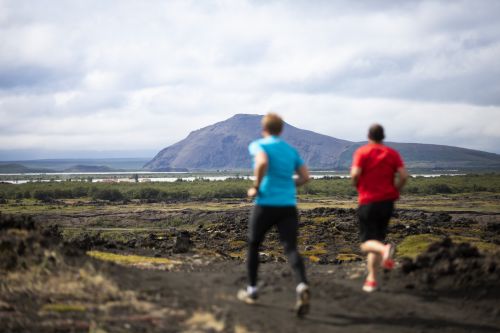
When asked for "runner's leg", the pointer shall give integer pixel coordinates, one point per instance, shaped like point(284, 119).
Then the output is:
point(259, 223)
point(374, 219)
point(373, 263)
point(288, 228)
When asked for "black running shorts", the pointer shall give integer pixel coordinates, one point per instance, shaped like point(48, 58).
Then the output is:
point(374, 220)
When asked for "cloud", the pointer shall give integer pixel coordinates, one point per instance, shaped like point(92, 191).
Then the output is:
point(141, 75)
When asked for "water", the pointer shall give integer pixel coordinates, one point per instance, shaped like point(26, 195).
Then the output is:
point(170, 177)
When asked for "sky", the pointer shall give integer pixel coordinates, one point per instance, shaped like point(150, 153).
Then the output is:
point(128, 78)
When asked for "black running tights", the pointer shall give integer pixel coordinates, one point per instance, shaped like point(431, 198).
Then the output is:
point(262, 218)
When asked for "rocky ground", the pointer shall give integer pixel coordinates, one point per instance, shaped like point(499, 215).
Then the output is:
point(86, 273)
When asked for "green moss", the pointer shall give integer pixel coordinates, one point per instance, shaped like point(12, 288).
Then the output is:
point(481, 245)
point(238, 255)
point(237, 244)
point(60, 307)
point(347, 257)
point(321, 219)
point(413, 245)
point(317, 250)
point(314, 258)
point(130, 259)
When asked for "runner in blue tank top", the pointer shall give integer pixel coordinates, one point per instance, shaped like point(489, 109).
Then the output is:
point(275, 162)
point(277, 187)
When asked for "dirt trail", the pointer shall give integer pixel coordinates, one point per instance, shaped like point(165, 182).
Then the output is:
point(338, 305)
point(50, 285)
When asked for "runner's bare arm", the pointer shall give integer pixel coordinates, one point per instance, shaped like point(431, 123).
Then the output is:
point(261, 162)
point(355, 173)
point(303, 174)
point(402, 177)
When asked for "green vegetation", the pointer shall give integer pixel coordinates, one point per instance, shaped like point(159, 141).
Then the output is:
point(481, 245)
point(348, 257)
point(414, 245)
point(230, 188)
point(57, 307)
point(454, 184)
point(131, 260)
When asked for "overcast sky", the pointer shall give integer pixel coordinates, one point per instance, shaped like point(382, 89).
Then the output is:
point(140, 75)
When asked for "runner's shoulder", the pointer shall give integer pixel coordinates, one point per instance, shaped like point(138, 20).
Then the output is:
point(255, 146)
point(392, 150)
point(363, 149)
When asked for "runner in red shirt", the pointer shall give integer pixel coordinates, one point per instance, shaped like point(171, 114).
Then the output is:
point(379, 174)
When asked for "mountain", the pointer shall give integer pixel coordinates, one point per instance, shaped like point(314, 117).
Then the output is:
point(430, 156)
point(81, 165)
point(19, 168)
point(224, 145)
point(90, 168)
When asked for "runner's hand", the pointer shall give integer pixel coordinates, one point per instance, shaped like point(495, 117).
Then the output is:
point(252, 192)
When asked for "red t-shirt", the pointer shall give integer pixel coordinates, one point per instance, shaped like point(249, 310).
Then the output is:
point(378, 165)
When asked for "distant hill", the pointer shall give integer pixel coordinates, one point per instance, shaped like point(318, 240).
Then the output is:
point(19, 168)
point(224, 145)
point(430, 156)
point(90, 168)
point(68, 165)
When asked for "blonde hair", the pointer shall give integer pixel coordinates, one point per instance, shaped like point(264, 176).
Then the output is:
point(272, 123)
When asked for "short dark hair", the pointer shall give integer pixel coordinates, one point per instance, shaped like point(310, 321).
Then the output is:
point(272, 123)
point(376, 133)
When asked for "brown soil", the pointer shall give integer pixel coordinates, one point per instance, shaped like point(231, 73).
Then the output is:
point(50, 285)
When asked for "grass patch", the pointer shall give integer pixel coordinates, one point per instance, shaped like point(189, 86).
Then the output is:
point(322, 219)
point(413, 245)
point(481, 245)
point(78, 285)
point(237, 244)
point(120, 235)
point(348, 257)
point(314, 259)
point(132, 260)
point(317, 250)
point(238, 255)
point(60, 307)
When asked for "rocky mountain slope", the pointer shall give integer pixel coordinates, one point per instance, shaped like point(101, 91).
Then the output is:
point(224, 146)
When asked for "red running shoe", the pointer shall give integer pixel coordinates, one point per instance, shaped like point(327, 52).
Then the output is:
point(387, 259)
point(370, 286)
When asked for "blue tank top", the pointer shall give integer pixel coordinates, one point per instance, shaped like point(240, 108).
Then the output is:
point(277, 187)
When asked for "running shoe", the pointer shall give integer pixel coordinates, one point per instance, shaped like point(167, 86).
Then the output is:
point(388, 257)
point(303, 300)
point(370, 286)
point(246, 297)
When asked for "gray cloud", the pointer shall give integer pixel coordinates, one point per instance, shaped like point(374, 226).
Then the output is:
point(85, 74)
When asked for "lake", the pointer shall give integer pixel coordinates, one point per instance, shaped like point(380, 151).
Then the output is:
point(148, 176)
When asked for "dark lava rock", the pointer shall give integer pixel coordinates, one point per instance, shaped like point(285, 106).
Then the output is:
point(23, 245)
point(87, 241)
point(463, 222)
point(439, 218)
point(182, 242)
point(16, 222)
point(450, 266)
point(493, 227)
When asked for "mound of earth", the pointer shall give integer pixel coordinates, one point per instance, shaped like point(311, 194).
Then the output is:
point(22, 245)
point(49, 286)
point(450, 266)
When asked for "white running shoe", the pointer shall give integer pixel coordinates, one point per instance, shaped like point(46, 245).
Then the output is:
point(303, 300)
point(246, 297)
